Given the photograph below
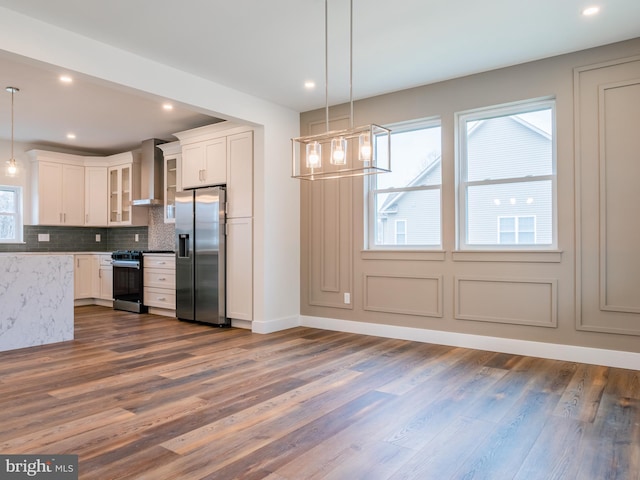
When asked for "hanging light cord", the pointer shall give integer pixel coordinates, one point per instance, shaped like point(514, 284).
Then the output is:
point(351, 63)
point(326, 63)
point(13, 90)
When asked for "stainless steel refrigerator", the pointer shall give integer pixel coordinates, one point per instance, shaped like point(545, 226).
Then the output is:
point(200, 259)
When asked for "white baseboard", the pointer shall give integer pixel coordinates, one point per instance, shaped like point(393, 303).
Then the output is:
point(245, 324)
point(270, 326)
point(571, 353)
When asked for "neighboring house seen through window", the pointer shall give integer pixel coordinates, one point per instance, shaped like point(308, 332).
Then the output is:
point(404, 205)
point(507, 177)
point(517, 230)
point(10, 214)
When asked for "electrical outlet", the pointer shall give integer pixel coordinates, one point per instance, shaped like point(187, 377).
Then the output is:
point(347, 298)
point(97, 237)
point(137, 237)
point(43, 237)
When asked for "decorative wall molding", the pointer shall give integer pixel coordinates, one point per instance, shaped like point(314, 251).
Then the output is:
point(519, 301)
point(605, 144)
point(419, 295)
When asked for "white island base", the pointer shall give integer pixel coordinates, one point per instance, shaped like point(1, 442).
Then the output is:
point(36, 299)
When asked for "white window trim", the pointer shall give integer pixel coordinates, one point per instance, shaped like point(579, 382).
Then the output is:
point(17, 190)
point(370, 243)
point(461, 171)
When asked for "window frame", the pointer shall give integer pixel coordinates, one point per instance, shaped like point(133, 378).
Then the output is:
point(370, 218)
point(18, 215)
point(462, 184)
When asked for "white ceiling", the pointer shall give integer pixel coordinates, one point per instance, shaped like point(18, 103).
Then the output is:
point(270, 48)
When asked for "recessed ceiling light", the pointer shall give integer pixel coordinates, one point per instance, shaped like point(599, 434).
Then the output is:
point(66, 79)
point(71, 136)
point(309, 84)
point(167, 106)
point(590, 11)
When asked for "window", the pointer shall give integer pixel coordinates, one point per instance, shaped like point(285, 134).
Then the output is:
point(10, 214)
point(507, 177)
point(403, 207)
point(401, 232)
point(517, 230)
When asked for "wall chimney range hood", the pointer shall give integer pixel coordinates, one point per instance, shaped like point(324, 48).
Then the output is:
point(151, 174)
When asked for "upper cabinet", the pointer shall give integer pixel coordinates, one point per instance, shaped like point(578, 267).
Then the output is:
point(217, 155)
point(59, 188)
point(172, 153)
point(204, 163)
point(240, 175)
point(96, 194)
point(124, 186)
point(74, 190)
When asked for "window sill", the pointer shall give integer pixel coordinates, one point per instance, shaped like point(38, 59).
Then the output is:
point(412, 255)
point(527, 256)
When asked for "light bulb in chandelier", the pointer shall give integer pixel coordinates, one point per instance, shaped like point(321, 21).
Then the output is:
point(364, 150)
point(12, 167)
point(339, 151)
point(314, 155)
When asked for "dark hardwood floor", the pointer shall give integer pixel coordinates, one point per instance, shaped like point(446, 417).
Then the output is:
point(148, 397)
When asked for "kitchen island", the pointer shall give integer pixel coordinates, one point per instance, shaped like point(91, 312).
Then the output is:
point(36, 299)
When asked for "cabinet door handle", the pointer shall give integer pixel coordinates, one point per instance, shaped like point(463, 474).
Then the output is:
point(162, 279)
point(99, 273)
point(86, 218)
point(161, 299)
point(64, 216)
point(204, 175)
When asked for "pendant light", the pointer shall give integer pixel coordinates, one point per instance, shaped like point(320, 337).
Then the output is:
point(12, 166)
point(350, 152)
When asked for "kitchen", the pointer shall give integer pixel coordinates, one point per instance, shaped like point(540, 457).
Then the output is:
point(129, 202)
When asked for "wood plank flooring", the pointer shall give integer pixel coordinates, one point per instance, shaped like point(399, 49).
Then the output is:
point(148, 397)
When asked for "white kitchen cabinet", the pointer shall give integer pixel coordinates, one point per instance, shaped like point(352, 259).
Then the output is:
point(83, 276)
point(124, 186)
point(204, 163)
point(105, 278)
point(159, 283)
point(59, 189)
point(96, 205)
point(240, 175)
point(240, 268)
point(172, 178)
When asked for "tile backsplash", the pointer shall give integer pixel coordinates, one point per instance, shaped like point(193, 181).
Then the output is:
point(157, 236)
point(79, 239)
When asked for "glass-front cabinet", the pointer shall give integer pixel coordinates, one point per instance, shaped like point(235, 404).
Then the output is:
point(120, 194)
point(172, 158)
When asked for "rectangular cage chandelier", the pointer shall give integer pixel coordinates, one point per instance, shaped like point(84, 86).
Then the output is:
point(350, 152)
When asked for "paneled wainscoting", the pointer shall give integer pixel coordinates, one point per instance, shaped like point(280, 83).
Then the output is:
point(149, 397)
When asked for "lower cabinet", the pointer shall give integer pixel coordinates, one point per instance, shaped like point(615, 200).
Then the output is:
point(240, 268)
point(105, 278)
point(93, 277)
point(160, 283)
point(83, 276)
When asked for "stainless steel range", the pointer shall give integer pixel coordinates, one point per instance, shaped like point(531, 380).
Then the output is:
point(127, 281)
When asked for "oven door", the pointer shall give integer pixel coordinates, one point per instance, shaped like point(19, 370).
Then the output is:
point(127, 286)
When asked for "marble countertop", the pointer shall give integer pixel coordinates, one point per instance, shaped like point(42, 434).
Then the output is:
point(10, 254)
